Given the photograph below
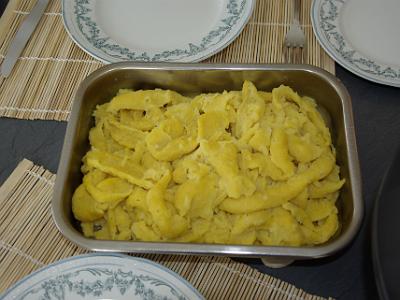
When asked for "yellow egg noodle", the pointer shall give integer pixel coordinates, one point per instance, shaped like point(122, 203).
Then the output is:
point(238, 167)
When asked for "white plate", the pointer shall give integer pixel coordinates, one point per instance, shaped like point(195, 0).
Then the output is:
point(155, 30)
point(102, 276)
point(361, 35)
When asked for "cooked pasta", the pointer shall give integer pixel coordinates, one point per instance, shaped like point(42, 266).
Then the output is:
point(238, 167)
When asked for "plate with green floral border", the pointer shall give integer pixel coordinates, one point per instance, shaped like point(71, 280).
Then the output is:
point(155, 30)
point(103, 276)
point(361, 35)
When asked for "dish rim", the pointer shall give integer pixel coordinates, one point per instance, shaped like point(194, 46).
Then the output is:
point(59, 263)
point(207, 55)
point(215, 249)
point(333, 53)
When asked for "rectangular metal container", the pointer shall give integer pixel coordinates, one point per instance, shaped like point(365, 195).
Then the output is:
point(192, 79)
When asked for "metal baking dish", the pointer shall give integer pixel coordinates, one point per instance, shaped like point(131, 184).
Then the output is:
point(103, 84)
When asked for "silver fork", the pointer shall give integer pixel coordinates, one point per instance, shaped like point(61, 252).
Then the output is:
point(295, 40)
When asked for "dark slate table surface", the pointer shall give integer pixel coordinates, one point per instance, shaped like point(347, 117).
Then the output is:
point(347, 275)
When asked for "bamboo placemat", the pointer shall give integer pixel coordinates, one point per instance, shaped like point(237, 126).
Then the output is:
point(30, 240)
point(44, 80)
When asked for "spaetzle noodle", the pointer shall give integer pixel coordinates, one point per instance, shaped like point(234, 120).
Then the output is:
point(238, 167)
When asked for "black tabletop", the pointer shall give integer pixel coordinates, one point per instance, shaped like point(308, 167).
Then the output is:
point(385, 244)
point(347, 275)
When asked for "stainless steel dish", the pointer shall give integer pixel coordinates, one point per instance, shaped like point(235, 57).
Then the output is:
point(103, 84)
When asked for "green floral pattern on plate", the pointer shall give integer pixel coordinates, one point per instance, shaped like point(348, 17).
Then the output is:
point(94, 35)
point(102, 280)
point(326, 18)
point(102, 276)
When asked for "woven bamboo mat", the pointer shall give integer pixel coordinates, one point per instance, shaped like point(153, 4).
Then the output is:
point(44, 80)
point(30, 240)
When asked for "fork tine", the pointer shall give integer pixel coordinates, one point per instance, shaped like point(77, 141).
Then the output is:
point(294, 55)
point(302, 55)
point(285, 52)
point(290, 55)
point(295, 40)
point(298, 55)
point(291, 59)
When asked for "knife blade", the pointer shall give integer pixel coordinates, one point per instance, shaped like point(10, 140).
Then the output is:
point(22, 37)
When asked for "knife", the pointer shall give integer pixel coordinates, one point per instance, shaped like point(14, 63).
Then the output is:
point(22, 37)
